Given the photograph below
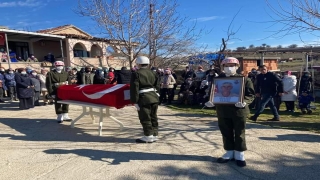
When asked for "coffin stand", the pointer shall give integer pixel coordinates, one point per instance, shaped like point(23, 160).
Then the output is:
point(101, 97)
point(101, 114)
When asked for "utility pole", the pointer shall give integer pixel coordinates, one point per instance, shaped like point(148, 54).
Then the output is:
point(152, 41)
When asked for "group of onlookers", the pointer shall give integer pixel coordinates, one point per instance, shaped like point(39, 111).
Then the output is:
point(272, 89)
point(29, 86)
point(24, 84)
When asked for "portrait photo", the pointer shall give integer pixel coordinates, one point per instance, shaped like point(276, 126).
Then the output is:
point(228, 90)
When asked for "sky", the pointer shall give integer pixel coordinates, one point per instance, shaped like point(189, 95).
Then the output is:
point(214, 16)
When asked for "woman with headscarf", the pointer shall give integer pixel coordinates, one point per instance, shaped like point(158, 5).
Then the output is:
point(290, 92)
point(167, 82)
point(43, 88)
point(25, 89)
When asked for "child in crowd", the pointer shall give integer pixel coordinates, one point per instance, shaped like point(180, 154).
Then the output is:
point(305, 100)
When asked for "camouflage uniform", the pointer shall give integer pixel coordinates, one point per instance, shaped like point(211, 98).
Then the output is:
point(141, 80)
point(232, 120)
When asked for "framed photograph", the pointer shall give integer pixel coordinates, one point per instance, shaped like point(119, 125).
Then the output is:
point(227, 90)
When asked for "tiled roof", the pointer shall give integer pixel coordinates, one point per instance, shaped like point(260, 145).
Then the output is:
point(54, 29)
point(59, 28)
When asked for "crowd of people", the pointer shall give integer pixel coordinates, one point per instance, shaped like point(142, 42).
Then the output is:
point(194, 90)
point(261, 88)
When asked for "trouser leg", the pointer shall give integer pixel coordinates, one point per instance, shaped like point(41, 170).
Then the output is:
point(154, 118)
point(239, 124)
point(287, 105)
point(57, 106)
point(226, 129)
point(44, 93)
point(1, 93)
point(264, 101)
point(273, 108)
point(11, 93)
point(170, 93)
point(291, 105)
point(145, 119)
point(36, 98)
point(162, 94)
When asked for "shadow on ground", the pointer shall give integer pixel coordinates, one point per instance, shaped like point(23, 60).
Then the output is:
point(279, 167)
point(50, 130)
point(294, 137)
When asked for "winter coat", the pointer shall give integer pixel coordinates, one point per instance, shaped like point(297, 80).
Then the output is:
point(268, 83)
point(123, 77)
point(99, 78)
point(289, 86)
point(305, 99)
point(167, 81)
point(200, 75)
point(36, 83)
point(42, 79)
point(3, 83)
point(23, 81)
point(188, 74)
point(87, 78)
point(10, 81)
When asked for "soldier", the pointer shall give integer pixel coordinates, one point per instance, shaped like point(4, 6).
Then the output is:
point(232, 118)
point(55, 79)
point(144, 86)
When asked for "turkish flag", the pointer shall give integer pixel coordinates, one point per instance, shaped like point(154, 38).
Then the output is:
point(2, 39)
point(116, 96)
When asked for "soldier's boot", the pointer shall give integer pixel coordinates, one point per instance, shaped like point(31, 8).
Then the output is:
point(145, 139)
point(66, 117)
point(155, 138)
point(59, 118)
point(309, 111)
point(239, 156)
point(229, 155)
point(303, 110)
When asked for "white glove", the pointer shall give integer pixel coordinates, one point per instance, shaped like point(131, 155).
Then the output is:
point(240, 104)
point(137, 107)
point(209, 104)
point(53, 96)
point(66, 82)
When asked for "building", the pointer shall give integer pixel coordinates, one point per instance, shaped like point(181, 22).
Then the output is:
point(68, 43)
point(247, 63)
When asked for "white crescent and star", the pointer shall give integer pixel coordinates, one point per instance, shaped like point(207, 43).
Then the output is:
point(99, 94)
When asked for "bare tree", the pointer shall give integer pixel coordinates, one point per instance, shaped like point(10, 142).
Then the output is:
point(138, 25)
point(230, 36)
point(296, 16)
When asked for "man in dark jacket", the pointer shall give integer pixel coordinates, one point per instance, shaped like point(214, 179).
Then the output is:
point(268, 85)
point(144, 86)
point(124, 76)
point(2, 85)
point(188, 73)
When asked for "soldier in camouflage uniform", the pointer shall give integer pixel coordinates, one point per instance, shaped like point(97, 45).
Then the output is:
point(55, 79)
point(144, 86)
point(232, 118)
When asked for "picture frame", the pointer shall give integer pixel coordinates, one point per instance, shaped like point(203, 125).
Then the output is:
point(227, 90)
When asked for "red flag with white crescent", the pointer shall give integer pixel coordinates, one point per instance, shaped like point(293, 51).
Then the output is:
point(116, 96)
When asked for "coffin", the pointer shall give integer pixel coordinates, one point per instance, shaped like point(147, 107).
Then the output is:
point(110, 95)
